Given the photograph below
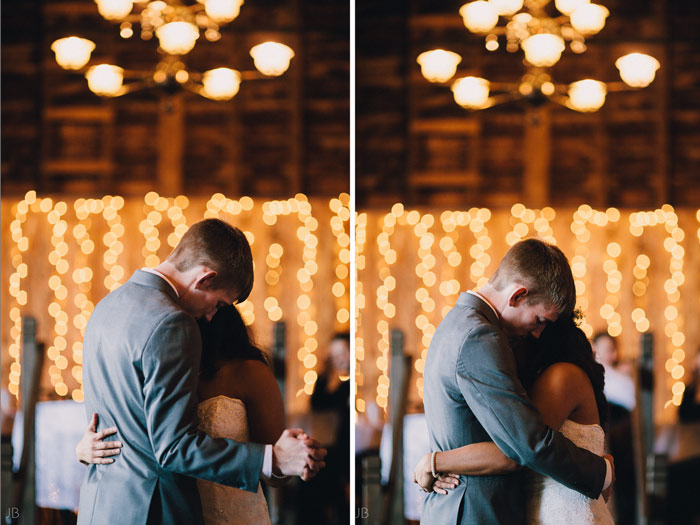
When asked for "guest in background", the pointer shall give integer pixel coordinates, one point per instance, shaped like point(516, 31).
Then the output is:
point(689, 411)
point(326, 499)
point(621, 395)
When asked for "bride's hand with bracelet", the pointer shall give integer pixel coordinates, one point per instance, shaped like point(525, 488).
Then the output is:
point(423, 476)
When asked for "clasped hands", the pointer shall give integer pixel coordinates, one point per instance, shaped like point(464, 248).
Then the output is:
point(297, 454)
point(423, 476)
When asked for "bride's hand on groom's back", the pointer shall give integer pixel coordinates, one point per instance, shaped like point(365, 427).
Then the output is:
point(296, 454)
point(93, 449)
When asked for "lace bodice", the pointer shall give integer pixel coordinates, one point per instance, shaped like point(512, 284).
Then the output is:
point(226, 417)
point(550, 502)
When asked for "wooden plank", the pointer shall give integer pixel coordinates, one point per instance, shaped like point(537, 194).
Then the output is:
point(77, 166)
point(444, 179)
point(101, 113)
point(446, 125)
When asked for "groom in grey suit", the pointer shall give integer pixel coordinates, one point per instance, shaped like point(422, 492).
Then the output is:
point(472, 393)
point(141, 364)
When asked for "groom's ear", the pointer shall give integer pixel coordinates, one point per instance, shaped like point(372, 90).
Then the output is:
point(517, 296)
point(205, 279)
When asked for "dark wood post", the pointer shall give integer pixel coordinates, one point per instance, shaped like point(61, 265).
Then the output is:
point(32, 361)
point(399, 374)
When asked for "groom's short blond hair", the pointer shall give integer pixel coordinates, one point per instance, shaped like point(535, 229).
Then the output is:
point(223, 248)
point(543, 269)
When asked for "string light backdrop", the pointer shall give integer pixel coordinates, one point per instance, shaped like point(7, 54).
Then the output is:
point(62, 256)
point(635, 272)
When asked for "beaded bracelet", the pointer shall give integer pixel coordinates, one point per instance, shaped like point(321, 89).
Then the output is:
point(433, 468)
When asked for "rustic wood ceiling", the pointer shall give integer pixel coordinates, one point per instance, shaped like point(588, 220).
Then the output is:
point(415, 145)
point(276, 137)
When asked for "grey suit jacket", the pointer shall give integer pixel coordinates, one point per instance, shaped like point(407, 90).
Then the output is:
point(472, 395)
point(141, 366)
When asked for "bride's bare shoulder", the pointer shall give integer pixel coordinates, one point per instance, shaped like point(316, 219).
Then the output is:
point(561, 377)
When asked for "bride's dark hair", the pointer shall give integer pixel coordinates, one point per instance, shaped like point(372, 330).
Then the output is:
point(564, 342)
point(225, 338)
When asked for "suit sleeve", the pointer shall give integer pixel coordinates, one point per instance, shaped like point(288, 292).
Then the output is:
point(170, 362)
point(486, 375)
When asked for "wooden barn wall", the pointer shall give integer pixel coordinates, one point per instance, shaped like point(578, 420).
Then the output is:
point(277, 136)
point(416, 145)
point(412, 263)
point(102, 241)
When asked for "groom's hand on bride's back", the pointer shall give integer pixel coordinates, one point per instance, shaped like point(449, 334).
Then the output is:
point(296, 454)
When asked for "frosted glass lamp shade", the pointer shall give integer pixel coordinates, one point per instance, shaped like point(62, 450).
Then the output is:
point(637, 69)
point(105, 80)
point(567, 7)
point(271, 58)
point(589, 19)
point(72, 52)
point(543, 49)
point(438, 65)
point(177, 38)
point(479, 16)
point(471, 92)
point(114, 9)
point(223, 11)
point(506, 7)
point(587, 95)
point(221, 83)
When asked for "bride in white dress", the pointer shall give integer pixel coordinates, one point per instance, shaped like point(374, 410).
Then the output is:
point(566, 385)
point(239, 399)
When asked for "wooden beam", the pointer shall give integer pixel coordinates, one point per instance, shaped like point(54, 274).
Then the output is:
point(537, 157)
point(171, 142)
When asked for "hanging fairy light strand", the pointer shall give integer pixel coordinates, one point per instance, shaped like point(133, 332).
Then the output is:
point(360, 302)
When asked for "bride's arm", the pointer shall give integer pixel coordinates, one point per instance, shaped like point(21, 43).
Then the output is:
point(93, 449)
point(264, 407)
point(477, 459)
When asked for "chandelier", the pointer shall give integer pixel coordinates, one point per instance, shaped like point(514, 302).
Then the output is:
point(177, 27)
point(542, 33)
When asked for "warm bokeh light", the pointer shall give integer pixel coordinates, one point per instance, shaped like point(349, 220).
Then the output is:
point(637, 70)
point(587, 95)
point(177, 38)
point(271, 58)
point(471, 92)
point(479, 16)
point(114, 9)
point(72, 52)
point(438, 65)
point(223, 11)
point(589, 19)
point(543, 49)
point(105, 80)
point(221, 83)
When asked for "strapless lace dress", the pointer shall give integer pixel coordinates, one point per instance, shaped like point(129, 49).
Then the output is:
point(225, 417)
point(550, 502)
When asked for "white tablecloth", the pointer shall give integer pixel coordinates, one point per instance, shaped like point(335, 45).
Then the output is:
point(59, 427)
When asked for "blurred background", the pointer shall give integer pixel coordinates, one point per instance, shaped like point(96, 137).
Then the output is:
point(113, 143)
point(471, 138)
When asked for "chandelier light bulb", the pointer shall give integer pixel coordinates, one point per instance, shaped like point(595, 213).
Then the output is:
point(114, 9)
point(221, 83)
point(506, 7)
point(438, 65)
point(479, 16)
point(637, 70)
point(72, 52)
point(587, 95)
point(105, 80)
point(567, 7)
point(223, 11)
point(271, 58)
point(543, 49)
point(589, 19)
point(471, 92)
point(177, 38)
